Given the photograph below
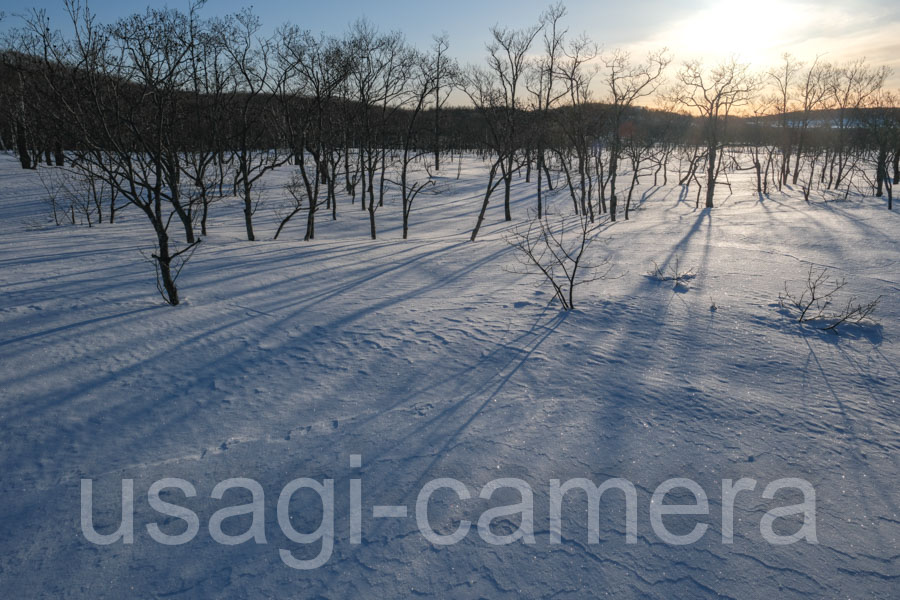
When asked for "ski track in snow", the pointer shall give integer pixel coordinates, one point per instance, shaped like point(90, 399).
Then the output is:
point(430, 358)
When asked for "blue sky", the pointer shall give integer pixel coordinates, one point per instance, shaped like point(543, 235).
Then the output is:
point(758, 31)
point(466, 21)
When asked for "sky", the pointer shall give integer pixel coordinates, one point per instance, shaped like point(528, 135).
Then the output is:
point(759, 31)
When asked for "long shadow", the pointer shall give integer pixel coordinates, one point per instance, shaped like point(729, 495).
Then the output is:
point(681, 245)
point(438, 444)
point(131, 411)
point(860, 473)
point(72, 326)
point(274, 306)
point(423, 389)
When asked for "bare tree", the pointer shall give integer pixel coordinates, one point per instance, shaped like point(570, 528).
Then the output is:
point(494, 90)
point(761, 146)
point(575, 121)
point(851, 86)
point(783, 79)
point(25, 104)
point(713, 94)
point(116, 90)
point(815, 302)
point(424, 80)
point(812, 90)
point(547, 88)
point(554, 247)
point(377, 81)
point(206, 164)
point(639, 145)
point(255, 136)
point(627, 82)
point(882, 130)
point(315, 69)
point(446, 73)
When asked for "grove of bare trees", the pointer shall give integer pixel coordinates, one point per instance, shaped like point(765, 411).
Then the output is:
point(167, 113)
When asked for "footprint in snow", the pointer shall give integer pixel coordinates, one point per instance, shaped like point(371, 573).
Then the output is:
point(422, 409)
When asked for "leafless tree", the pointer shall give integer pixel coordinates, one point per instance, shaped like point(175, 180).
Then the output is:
point(377, 81)
point(851, 86)
point(627, 82)
point(812, 90)
point(206, 163)
point(116, 90)
point(783, 78)
point(315, 68)
point(554, 246)
point(423, 81)
point(713, 94)
point(576, 119)
point(256, 136)
point(547, 89)
point(445, 71)
point(882, 130)
point(761, 146)
point(639, 145)
point(495, 91)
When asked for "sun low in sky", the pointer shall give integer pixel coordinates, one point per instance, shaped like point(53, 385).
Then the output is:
point(761, 31)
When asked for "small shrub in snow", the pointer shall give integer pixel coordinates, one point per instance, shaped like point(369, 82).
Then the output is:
point(816, 302)
point(673, 272)
point(554, 247)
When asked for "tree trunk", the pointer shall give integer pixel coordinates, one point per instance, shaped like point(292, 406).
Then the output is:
point(581, 186)
point(601, 189)
point(184, 216)
point(540, 201)
point(22, 146)
point(547, 175)
point(797, 158)
point(484, 204)
point(284, 222)
point(507, 185)
point(437, 127)
point(248, 210)
point(613, 167)
point(897, 166)
point(881, 172)
point(634, 179)
point(710, 175)
point(164, 260)
point(528, 166)
point(381, 178)
point(758, 167)
point(403, 190)
point(202, 216)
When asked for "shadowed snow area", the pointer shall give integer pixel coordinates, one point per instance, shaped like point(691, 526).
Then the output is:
point(430, 357)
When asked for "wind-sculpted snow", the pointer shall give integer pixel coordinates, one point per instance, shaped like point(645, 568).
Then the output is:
point(431, 359)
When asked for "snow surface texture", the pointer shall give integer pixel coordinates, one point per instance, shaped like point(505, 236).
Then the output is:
point(430, 358)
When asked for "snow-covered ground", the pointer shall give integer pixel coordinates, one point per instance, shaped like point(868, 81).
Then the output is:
point(431, 358)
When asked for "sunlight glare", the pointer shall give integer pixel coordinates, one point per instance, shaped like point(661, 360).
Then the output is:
point(752, 31)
